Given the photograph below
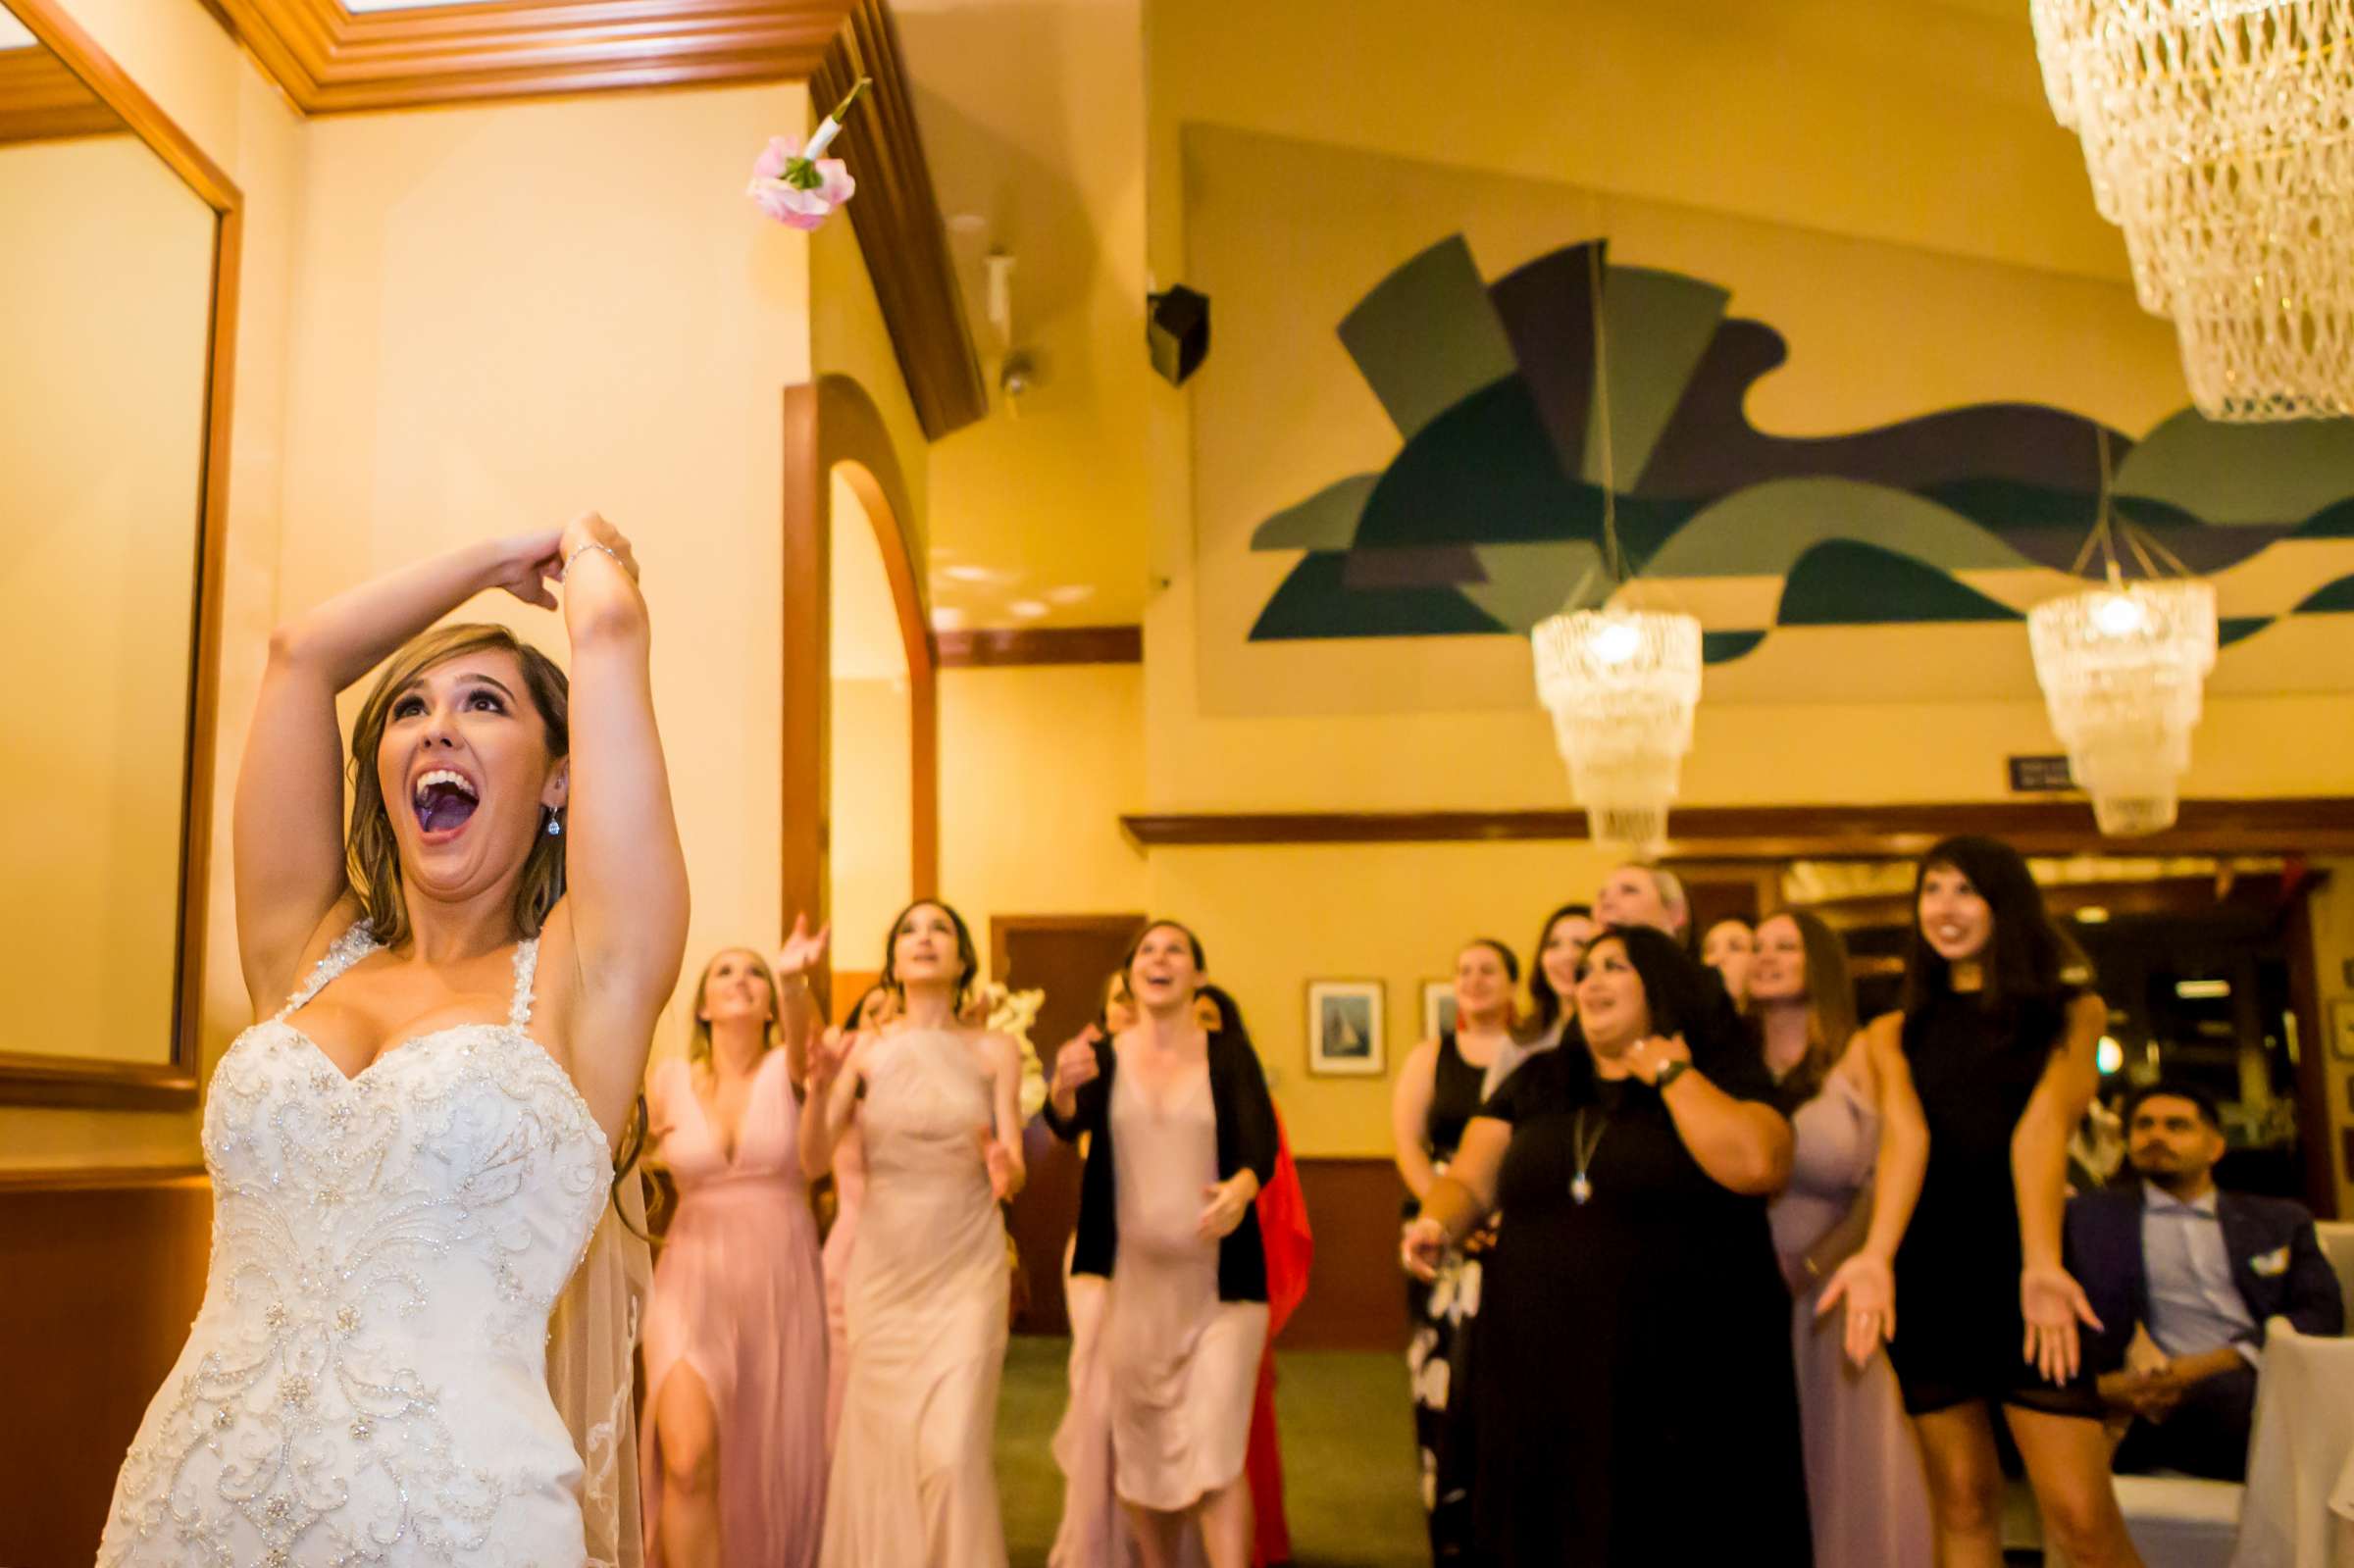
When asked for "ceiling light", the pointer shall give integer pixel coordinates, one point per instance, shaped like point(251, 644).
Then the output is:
point(2215, 132)
point(2194, 990)
point(1621, 686)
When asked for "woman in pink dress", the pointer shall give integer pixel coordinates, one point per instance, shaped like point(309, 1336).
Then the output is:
point(734, 1463)
point(1865, 1487)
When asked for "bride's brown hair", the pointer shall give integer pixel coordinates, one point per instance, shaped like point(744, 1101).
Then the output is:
point(372, 854)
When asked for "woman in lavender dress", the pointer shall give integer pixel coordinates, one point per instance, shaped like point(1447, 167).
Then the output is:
point(1864, 1478)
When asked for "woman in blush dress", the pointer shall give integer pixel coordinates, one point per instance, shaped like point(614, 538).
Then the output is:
point(409, 1156)
point(1865, 1488)
point(1093, 1531)
point(1180, 1139)
point(733, 1463)
point(914, 1479)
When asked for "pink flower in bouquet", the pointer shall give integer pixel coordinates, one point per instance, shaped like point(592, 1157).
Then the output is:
point(796, 185)
point(804, 202)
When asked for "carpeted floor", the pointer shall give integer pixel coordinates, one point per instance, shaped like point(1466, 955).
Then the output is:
point(1349, 1483)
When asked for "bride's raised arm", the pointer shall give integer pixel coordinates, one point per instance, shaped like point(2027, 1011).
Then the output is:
point(626, 876)
point(288, 821)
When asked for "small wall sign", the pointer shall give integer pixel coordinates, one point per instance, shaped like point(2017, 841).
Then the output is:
point(2034, 776)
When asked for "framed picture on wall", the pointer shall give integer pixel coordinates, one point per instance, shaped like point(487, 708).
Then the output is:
point(1438, 1007)
point(1343, 1027)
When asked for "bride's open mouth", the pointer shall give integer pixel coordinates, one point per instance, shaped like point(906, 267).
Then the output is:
point(445, 800)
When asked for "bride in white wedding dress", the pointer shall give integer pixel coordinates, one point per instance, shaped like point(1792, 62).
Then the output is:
point(410, 1153)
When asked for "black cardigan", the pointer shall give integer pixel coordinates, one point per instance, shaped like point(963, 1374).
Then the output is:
point(1246, 1123)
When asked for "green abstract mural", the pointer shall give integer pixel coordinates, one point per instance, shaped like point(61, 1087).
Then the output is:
point(1489, 517)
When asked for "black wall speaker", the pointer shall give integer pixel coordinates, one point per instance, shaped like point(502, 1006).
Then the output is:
point(1177, 331)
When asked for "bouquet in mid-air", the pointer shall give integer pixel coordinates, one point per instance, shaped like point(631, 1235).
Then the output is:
point(799, 187)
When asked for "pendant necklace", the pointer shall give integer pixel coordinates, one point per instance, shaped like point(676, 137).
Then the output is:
point(1580, 1189)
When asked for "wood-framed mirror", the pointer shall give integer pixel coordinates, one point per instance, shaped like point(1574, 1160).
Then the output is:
point(118, 320)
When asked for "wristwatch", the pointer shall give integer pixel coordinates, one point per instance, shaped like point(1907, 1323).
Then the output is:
point(1669, 1074)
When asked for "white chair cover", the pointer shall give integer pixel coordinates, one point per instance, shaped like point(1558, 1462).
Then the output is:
point(2299, 1511)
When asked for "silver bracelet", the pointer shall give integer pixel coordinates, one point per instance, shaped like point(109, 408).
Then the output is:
point(584, 549)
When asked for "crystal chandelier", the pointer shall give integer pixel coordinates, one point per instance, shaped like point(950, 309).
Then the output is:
point(1621, 684)
point(2123, 669)
point(2219, 135)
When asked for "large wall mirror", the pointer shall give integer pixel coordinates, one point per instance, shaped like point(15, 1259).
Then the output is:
point(117, 312)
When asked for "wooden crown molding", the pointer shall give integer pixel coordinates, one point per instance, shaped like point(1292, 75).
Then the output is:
point(1062, 645)
point(43, 100)
point(2321, 824)
point(896, 216)
point(330, 61)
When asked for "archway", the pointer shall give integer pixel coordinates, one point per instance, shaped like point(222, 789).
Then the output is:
point(840, 469)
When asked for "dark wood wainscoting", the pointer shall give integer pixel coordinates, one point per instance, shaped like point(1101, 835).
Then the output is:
point(1355, 1290)
point(105, 1270)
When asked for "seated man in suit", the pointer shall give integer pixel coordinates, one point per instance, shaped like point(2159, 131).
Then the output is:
point(2200, 1271)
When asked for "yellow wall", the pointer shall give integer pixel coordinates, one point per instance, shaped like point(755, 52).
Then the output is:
point(872, 848)
point(102, 439)
point(1036, 767)
point(180, 57)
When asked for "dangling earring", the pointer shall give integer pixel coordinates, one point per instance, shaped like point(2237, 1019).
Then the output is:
point(555, 824)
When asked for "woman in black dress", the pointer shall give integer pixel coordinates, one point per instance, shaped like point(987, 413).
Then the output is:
point(1651, 1415)
point(1438, 1088)
point(1982, 1078)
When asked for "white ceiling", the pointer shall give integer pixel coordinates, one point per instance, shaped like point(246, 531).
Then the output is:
point(13, 34)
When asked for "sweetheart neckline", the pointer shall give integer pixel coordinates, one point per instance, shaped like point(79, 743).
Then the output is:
point(352, 1080)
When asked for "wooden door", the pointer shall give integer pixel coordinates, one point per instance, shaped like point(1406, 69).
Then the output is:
point(1068, 957)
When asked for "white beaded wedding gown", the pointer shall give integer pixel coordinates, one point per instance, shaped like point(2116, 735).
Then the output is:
point(365, 1385)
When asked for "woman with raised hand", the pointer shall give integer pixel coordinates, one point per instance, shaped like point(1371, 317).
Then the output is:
point(1180, 1139)
point(1864, 1477)
point(1643, 1409)
point(409, 1155)
point(1438, 1088)
point(733, 1463)
point(1981, 1080)
point(934, 1101)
